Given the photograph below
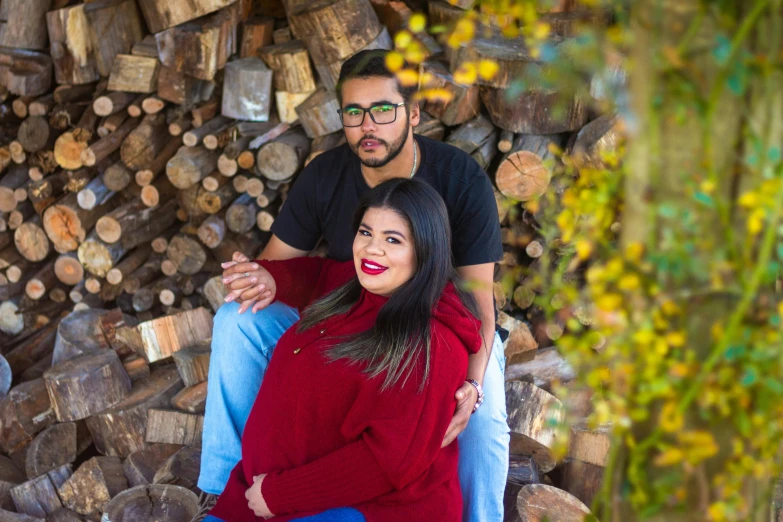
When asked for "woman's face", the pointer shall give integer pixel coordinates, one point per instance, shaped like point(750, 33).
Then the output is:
point(383, 252)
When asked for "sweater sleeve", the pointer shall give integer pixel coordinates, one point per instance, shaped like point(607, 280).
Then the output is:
point(301, 280)
point(398, 432)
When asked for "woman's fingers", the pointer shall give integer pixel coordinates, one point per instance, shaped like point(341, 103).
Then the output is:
point(239, 257)
point(238, 270)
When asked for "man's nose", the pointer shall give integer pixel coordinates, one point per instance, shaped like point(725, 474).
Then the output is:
point(367, 123)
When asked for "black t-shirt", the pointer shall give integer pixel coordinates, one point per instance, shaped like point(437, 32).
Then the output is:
point(323, 199)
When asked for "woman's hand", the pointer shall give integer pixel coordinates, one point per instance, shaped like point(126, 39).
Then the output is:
point(255, 499)
point(248, 283)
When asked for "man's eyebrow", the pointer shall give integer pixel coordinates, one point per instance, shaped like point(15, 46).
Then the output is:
point(373, 104)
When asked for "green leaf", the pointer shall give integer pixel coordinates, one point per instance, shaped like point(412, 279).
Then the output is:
point(773, 385)
point(750, 377)
point(780, 250)
point(722, 49)
point(735, 352)
point(774, 154)
point(743, 422)
point(705, 199)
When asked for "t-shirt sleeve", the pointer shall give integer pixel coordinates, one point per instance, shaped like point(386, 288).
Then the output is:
point(476, 233)
point(297, 223)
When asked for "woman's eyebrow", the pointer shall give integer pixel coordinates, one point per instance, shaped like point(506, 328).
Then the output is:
point(368, 227)
point(394, 232)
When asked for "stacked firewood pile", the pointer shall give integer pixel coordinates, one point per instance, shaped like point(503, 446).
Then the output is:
point(142, 142)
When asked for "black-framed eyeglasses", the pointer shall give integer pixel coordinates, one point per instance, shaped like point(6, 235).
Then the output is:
point(381, 114)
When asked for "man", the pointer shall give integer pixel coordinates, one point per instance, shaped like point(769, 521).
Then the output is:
point(378, 119)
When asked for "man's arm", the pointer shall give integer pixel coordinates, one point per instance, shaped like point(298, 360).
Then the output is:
point(479, 278)
point(240, 277)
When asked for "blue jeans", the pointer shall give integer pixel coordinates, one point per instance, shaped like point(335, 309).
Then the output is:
point(332, 515)
point(242, 346)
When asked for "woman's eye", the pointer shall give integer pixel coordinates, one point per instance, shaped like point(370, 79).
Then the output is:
point(364, 233)
point(391, 240)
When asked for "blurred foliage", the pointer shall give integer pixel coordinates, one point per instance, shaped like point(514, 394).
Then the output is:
point(674, 315)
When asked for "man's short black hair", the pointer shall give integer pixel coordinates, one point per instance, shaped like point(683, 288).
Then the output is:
point(367, 64)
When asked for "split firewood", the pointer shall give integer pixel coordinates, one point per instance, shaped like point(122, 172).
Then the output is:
point(329, 73)
point(54, 447)
point(90, 488)
point(181, 469)
point(173, 427)
point(76, 92)
point(525, 172)
point(153, 502)
point(132, 73)
point(527, 405)
point(192, 399)
point(85, 385)
point(24, 72)
point(38, 497)
point(136, 367)
point(539, 502)
point(282, 158)
point(588, 445)
point(204, 112)
point(114, 26)
point(520, 345)
point(281, 35)
point(145, 142)
point(24, 354)
point(430, 127)
point(256, 34)
point(602, 136)
point(446, 13)
point(318, 113)
point(161, 15)
point(160, 338)
point(291, 65)
point(247, 90)
point(24, 412)
point(23, 24)
point(193, 363)
point(201, 47)
point(323, 143)
point(141, 465)
point(121, 429)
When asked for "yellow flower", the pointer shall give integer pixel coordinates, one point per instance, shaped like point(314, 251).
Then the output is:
point(583, 249)
point(466, 74)
point(609, 302)
point(407, 77)
point(394, 61)
point(487, 69)
point(671, 420)
point(634, 251)
point(749, 200)
point(541, 30)
point(629, 283)
point(417, 23)
point(403, 39)
point(675, 339)
point(669, 457)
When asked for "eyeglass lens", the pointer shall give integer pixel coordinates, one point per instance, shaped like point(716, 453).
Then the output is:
point(381, 114)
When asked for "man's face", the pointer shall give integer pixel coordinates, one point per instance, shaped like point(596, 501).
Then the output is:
point(376, 144)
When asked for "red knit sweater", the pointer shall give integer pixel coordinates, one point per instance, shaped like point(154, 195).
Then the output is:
point(325, 433)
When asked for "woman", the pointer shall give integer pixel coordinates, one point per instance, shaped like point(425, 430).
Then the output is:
point(359, 393)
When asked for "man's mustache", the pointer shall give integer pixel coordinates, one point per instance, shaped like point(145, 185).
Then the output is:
point(371, 137)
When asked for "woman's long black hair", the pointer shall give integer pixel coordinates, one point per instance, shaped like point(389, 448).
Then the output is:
point(401, 335)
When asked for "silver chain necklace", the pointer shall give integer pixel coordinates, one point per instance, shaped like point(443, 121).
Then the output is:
point(413, 170)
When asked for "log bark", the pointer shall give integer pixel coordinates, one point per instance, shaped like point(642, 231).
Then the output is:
point(283, 157)
point(212, 231)
point(595, 141)
point(201, 47)
point(140, 466)
point(520, 345)
point(161, 15)
point(582, 480)
point(533, 415)
point(195, 136)
point(94, 194)
point(213, 202)
point(472, 135)
point(132, 73)
point(102, 148)
point(192, 399)
point(86, 385)
point(525, 172)
point(241, 215)
point(15, 178)
point(143, 275)
point(121, 430)
point(93, 485)
point(146, 176)
point(430, 127)
point(173, 427)
point(114, 27)
point(590, 445)
point(112, 103)
point(539, 502)
point(145, 142)
point(334, 29)
point(533, 112)
point(247, 90)
point(318, 113)
point(256, 33)
point(329, 73)
point(38, 497)
point(153, 502)
point(290, 63)
point(182, 468)
point(42, 281)
point(25, 73)
point(10, 476)
point(23, 24)
point(71, 47)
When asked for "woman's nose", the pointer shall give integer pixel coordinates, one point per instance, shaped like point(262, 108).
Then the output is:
point(374, 247)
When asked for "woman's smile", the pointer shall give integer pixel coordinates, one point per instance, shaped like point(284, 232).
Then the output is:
point(368, 267)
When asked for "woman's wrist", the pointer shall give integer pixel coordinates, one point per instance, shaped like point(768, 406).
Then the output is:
point(480, 392)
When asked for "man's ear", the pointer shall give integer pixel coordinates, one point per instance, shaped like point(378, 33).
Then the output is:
point(415, 114)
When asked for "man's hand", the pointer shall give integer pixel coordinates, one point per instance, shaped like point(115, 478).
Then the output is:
point(466, 399)
point(248, 283)
point(255, 499)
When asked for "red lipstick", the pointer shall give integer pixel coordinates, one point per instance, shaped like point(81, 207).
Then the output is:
point(371, 268)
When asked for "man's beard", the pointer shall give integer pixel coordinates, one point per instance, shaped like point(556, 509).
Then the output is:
point(394, 149)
